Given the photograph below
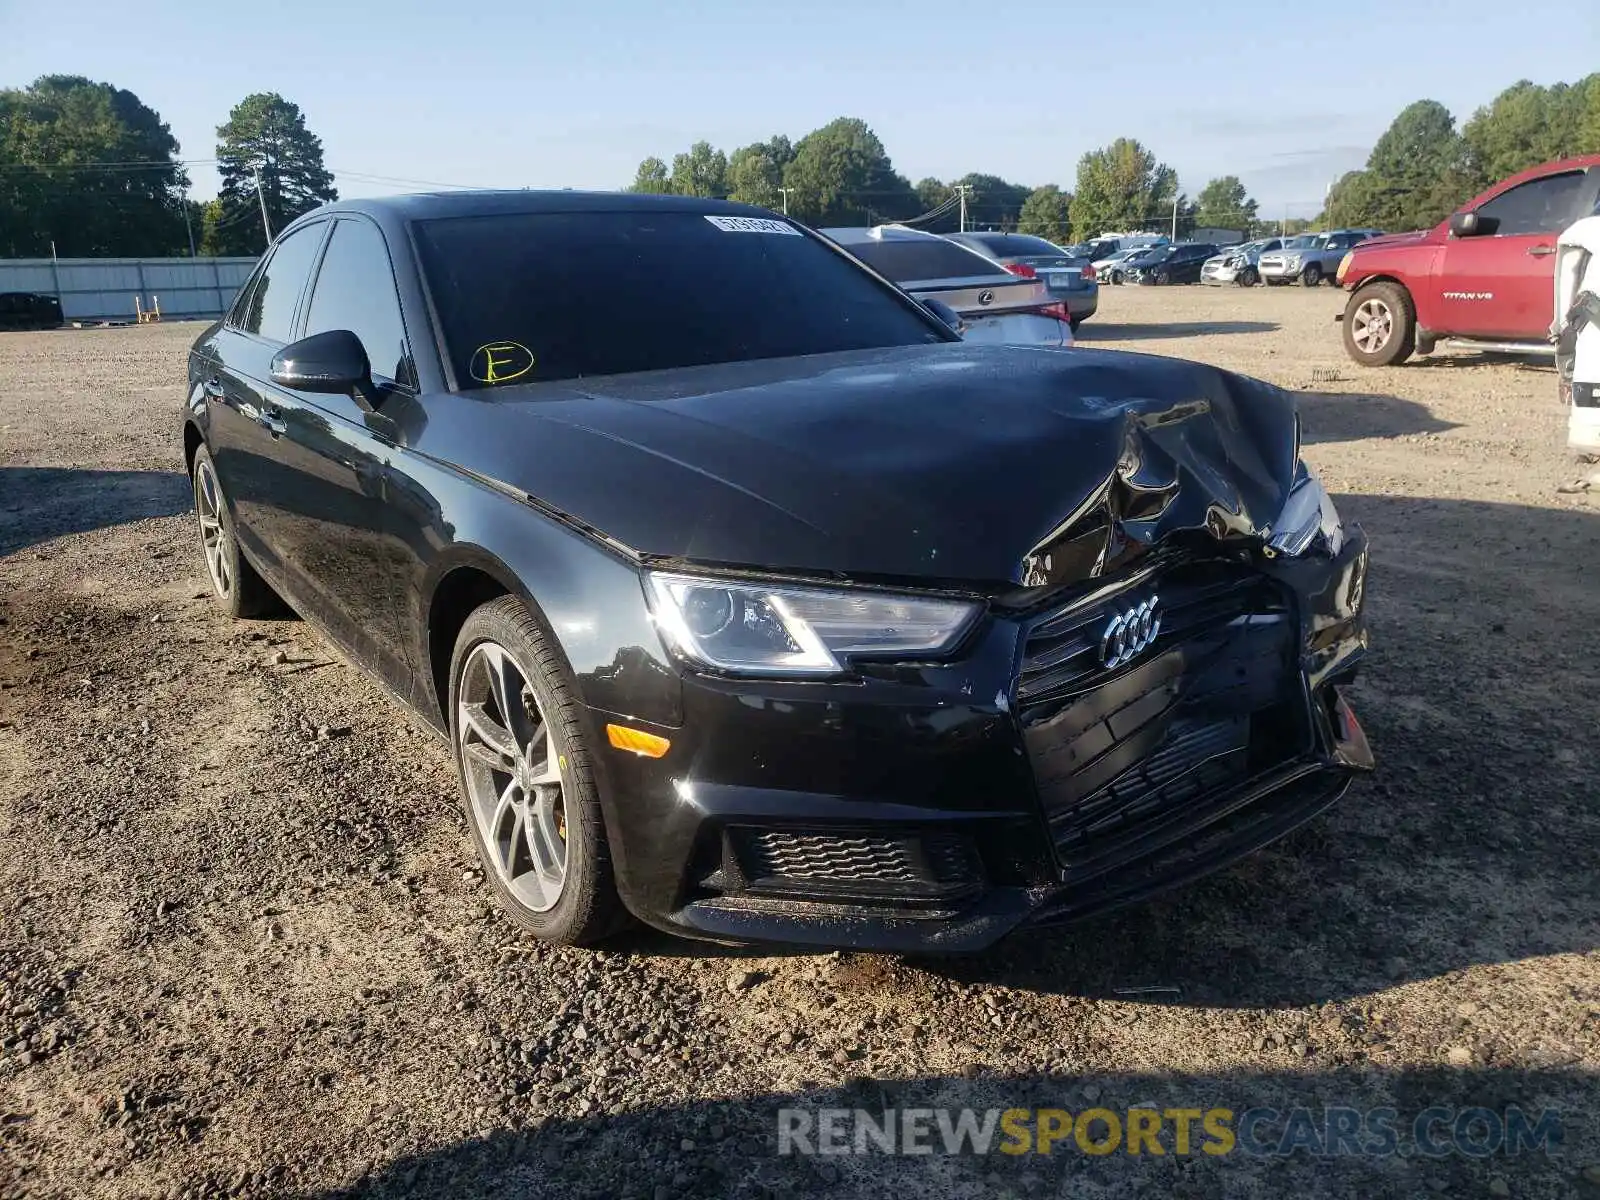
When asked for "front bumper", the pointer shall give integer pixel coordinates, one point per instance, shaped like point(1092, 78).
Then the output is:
point(1279, 271)
point(934, 808)
point(1220, 274)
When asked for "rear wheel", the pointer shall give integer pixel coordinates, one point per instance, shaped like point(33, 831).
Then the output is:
point(528, 777)
point(1380, 325)
point(1312, 275)
point(234, 582)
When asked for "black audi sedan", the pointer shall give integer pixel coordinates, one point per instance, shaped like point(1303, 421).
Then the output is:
point(751, 600)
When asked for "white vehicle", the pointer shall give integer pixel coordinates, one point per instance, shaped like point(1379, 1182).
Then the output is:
point(1577, 333)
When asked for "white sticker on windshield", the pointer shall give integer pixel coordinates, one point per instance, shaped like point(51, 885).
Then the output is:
point(753, 225)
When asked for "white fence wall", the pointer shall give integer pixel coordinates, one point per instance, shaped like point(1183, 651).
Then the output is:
point(103, 289)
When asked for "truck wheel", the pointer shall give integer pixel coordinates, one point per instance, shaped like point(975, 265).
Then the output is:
point(1312, 275)
point(1380, 325)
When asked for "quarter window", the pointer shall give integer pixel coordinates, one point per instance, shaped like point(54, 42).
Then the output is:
point(355, 291)
point(270, 310)
point(1539, 206)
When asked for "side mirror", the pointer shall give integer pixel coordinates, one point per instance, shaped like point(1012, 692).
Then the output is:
point(334, 362)
point(945, 313)
point(1466, 224)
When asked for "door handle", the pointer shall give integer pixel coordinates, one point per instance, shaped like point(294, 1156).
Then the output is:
point(1541, 251)
point(272, 421)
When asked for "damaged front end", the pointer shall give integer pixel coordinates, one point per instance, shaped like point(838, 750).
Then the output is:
point(1161, 696)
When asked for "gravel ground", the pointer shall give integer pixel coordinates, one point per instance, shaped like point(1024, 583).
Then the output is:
point(244, 949)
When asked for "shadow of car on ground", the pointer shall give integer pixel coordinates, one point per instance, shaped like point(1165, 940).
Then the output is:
point(1093, 332)
point(734, 1147)
point(40, 503)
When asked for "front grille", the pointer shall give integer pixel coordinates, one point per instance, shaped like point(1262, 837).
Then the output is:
point(930, 865)
point(1211, 704)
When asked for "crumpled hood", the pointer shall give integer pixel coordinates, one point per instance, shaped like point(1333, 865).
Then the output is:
point(994, 467)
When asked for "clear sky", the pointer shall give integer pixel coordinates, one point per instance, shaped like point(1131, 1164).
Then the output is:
point(574, 93)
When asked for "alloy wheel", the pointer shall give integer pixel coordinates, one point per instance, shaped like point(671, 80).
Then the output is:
point(512, 770)
point(1372, 325)
point(215, 537)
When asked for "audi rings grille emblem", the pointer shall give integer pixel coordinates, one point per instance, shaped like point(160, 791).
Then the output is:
point(986, 297)
point(1130, 632)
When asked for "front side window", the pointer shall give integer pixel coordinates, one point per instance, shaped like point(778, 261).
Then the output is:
point(528, 297)
point(355, 290)
point(270, 309)
point(1539, 206)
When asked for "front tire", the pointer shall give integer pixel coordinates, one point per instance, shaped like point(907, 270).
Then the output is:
point(1163, 277)
point(242, 593)
point(528, 777)
point(1380, 325)
point(1311, 276)
point(1248, 277)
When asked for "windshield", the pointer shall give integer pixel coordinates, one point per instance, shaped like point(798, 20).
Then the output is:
point(1304, 241)
point(910, 259)
point(528, 297)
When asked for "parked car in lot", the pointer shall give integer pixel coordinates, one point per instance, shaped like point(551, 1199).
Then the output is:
point(1576, 330)
point(1481, 276)
point(1070, 279)
point(1110, 265)
point(1311, 258)
point(1179, 263)
point(1238, 264)
point(29, 310)
point(780, 613)
point(992, 304)
point(1137, 259)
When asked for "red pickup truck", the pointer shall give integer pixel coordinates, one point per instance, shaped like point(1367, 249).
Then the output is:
point(1485, 275)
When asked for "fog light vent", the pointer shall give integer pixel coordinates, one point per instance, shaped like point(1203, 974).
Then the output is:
point(933, 865)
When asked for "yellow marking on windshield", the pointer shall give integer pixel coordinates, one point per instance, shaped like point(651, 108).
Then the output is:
point(501, 362)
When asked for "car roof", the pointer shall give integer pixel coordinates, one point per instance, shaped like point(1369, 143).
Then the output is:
point(423, 206)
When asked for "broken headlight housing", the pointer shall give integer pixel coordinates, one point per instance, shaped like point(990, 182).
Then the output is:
point(1307, 514)
point(753, 628)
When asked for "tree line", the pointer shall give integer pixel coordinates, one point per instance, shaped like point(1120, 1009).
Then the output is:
point(1423, 168)
point(89, 170)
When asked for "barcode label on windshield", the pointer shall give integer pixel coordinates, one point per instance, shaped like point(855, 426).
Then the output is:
point(753, 225)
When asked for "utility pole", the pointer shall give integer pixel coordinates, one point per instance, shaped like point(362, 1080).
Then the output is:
point(784, 192)
point(187, 226)
point(1175, 218)
point(961, 191)
point(262, 196)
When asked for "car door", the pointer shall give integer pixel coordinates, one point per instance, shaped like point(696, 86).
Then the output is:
point(332, 519)
point(240, 397)
point(1499, 282)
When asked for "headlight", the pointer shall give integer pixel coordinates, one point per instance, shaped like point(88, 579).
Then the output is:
point(763, 629)
point(1308, 512)
point(1292, 261)
point(1344, 266)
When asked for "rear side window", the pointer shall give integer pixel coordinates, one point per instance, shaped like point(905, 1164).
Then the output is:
point(1538, 206)
point(270, 309)
point(1017, 245)
point(539, 296)
point(355, 291)
point(922, 258)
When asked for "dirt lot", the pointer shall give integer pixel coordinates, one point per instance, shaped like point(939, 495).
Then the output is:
point(244, 949)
